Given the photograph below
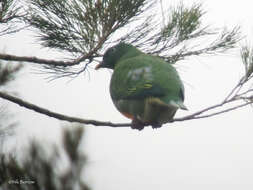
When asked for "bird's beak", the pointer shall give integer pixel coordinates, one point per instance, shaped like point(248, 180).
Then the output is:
point(99, 65)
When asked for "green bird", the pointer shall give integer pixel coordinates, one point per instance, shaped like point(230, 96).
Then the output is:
point(144, 88)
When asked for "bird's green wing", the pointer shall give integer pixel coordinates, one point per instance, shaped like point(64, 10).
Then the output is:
point(144, 76)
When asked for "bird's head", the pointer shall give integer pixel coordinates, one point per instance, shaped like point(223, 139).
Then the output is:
point(114, 54)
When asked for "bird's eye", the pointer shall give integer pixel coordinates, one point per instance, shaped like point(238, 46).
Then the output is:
point(110, 51)
point(113, 49)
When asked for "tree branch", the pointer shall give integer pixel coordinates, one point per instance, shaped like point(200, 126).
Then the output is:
point(8, 57)
point(195, 115)
point(223, 111)
point(49, 113)
point(59, 116)
point(49, 62)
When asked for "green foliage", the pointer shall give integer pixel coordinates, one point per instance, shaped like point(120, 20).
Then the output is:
point(184, 35)
point(8, 73)
point(79, 26)
point(7, 124)
point(184, 22)
point(247, 58)
point(9, 16)
point(40, 173)
point(83, 27)
point(7, 11)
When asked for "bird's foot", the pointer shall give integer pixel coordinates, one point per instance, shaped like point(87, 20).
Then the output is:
point(156, 125)
point(137, 124)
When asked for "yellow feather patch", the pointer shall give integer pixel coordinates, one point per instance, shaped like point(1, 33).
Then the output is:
point(147, 85)
point(156, 101)
point(130, 90)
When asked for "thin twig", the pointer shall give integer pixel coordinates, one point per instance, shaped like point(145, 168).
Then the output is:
point(223, 111)
point(161, 5)
point(243, 93)
point(192, 116)
point(237, 88)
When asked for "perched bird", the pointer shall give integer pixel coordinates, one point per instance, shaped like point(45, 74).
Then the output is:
point(144, 88)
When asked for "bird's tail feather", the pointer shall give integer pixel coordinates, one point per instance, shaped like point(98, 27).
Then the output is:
point(178, 104)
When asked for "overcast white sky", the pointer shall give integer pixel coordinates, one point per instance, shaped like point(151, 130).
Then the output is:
point(214, 153)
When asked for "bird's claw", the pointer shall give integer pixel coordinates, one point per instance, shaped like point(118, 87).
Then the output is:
point(156, 125)
point(137, 124)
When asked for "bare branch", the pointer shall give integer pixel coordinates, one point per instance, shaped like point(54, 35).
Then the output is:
point(195, 115)
point(8, 57)
point(54, 63)
point(224, 111)
point(59, 116)
point(44, 111)
point(236, 89)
